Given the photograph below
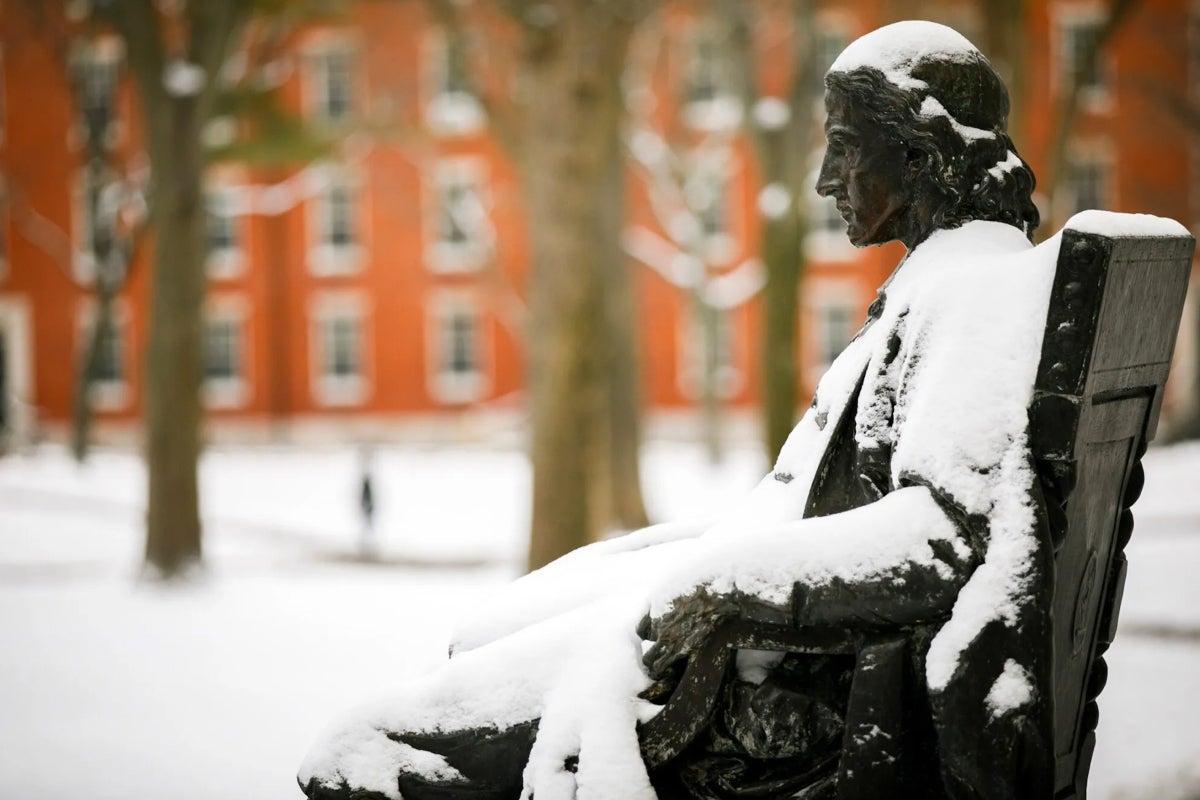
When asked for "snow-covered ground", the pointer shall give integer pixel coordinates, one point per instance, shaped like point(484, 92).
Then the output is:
point(115, 688)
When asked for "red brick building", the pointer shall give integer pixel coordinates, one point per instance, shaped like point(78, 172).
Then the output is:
point(384, 284)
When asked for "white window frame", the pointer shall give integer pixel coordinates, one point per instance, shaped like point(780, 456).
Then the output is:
point(84, 260)
point(447, 112)
point(107, 395)
point(1100, 153)
point(443, 255)
point(721, 112)
point(327, 257)
point(822, 295)
point(226, 262)
point(232, 391)
point(1097, 98)
point(690, 352)
point(828, 27)
point(718, 164)
point(316, 80)
point(333, 390)
point(447, 386)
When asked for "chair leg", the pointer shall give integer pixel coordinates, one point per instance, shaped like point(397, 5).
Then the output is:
point(872, 763)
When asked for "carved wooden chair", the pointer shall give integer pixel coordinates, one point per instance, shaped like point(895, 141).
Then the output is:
point(1114, 313)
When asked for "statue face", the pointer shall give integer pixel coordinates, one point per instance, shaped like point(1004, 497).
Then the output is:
point(869, 173)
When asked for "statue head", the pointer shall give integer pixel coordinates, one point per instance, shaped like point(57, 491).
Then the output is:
point(917, 138)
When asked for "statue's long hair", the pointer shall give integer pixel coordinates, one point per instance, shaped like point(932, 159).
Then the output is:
point(968, 173)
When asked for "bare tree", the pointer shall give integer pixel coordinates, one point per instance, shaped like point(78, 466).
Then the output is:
point(571, 60)
point(781, 129)
point(175, 52)
point(564, 131)
point(112, 200)
point(683, 172)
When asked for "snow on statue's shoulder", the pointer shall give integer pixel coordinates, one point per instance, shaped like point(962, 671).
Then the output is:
point(1112, 223)
point(895, 49)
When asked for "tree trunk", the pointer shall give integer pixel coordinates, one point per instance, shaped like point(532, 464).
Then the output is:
point(783, 257)
point(173, 358)
point(621, 506)
point(573, 70)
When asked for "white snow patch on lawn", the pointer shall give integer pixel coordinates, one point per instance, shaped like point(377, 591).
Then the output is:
point(113, 690)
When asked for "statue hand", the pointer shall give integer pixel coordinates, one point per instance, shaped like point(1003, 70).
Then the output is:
point(683, 629)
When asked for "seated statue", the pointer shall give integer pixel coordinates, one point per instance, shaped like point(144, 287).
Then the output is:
point(905, 499)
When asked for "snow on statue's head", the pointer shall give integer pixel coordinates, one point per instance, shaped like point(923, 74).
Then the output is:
point(918, 117)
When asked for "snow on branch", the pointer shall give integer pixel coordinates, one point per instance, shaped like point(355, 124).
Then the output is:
point(183, 79)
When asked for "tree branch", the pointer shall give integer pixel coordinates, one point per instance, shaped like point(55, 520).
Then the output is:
point(503, 117)
point(137, 23)
point(213, 24)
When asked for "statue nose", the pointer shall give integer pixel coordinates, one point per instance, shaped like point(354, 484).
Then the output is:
point(829, 177)
point(828, 182)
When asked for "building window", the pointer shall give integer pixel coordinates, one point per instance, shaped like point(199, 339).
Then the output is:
point(706, 192)
point(835, 328)
point(462, 229)
point(829, 45)
point(338, 230)
point(95, 220)
point(224, 372)
point(457, 338)
point(109, 385)
point(452, 107)
point(1088, 182)
point(224, 233)
point(338, 357)
point(96, 68)
point(826, 217)
point(1079, 60)
point(332, 83)
point(694, 349)
point(110, 360)
point(710, 102)
point(826, 237)
point(704, 67)
point(337, 246)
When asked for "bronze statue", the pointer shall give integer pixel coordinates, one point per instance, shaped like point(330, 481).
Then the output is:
point(892, 524)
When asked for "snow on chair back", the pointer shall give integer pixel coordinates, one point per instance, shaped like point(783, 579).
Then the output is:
point(1114, 313)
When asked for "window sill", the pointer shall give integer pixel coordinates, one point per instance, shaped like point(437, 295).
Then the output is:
point(326, 260)
point(341, 391)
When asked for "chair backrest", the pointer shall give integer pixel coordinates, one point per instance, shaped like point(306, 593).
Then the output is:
point(1114, 313)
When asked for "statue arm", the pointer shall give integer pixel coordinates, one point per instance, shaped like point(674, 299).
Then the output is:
point(900, 560)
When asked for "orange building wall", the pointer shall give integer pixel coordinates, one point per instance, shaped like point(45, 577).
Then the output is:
point(276, 287)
